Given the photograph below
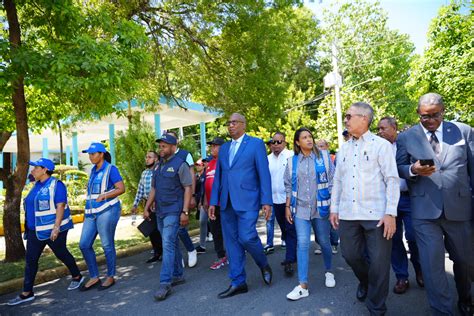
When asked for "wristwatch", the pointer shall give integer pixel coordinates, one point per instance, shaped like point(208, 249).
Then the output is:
point(185, 212)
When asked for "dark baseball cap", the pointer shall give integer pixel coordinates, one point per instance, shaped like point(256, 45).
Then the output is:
point(216, 141)
point(208, 158)
point(167, 138)
point(44, 163)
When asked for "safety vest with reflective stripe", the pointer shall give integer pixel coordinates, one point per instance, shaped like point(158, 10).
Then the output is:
point(97, 186)
point(323, 199)
point(45, 211)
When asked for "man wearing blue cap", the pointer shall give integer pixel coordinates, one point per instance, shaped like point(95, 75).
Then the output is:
point(171, 192)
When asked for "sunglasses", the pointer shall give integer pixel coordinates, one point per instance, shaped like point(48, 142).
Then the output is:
point(426, 117)
point(276, 142)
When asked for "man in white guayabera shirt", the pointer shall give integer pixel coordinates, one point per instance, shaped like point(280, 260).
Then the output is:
point(364, 202)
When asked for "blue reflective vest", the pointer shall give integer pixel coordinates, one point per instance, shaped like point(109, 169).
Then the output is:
point(97, 186)
point(169, 197)
point(45, 211)
point(323, 196)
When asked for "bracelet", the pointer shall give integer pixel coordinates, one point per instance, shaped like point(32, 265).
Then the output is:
point(288, 206)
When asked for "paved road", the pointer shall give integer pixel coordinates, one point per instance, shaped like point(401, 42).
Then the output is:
point(137, 281)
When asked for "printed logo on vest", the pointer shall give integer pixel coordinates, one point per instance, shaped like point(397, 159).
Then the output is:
point(170, 169)
point(44, 191)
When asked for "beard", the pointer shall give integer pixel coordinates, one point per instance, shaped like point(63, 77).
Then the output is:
point(149, 165)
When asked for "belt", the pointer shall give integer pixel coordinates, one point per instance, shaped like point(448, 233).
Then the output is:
point(405, 193)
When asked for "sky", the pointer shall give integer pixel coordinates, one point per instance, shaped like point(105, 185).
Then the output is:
point(410, 17)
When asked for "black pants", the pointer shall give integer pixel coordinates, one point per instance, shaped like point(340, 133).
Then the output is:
point(34, 248)
point(155, 237)
point(216, 230)
point(359, 238)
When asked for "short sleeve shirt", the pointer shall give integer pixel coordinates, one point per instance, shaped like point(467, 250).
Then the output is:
point(60, 196)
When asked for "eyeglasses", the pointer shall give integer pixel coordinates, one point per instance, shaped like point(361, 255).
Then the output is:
point(349, 116)
point(234, 122)
point(276, 142)
point(426, 117)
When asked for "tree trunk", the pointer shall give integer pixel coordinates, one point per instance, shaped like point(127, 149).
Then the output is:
point(14, 249)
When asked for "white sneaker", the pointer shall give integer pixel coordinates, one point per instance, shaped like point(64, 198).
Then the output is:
point(297, 293)
point(192, 258)
point(76, 283)
point(210, 238)
point(334, 250)
point(330, 281)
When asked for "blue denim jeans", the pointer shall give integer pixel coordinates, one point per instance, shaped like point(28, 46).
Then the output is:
point(303, 233)
point(172, 265)
point(103, 224)
point(185, 239)
point(203, 227)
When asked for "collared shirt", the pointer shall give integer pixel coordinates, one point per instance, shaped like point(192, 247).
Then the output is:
point(237, 141)
point(366, 184)
point(307, 186)
point(277, 166)
point(403, 182)
point(438, 133)
point(144, 186)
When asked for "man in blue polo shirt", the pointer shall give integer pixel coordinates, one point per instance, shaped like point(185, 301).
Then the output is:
point(171, 192)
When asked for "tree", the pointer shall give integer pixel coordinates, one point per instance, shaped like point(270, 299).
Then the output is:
point(366, 49)
point(446, 65)
point(58, 60)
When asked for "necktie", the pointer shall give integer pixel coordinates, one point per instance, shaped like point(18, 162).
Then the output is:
point(232, 152)
point(434, 142)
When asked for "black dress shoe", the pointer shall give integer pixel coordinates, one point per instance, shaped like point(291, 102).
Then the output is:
point(234, 290)
point(102, 287)
point(154, 259)
point(361, 292)
point(289, 269)
point(419, 279)
point(84, 288)
point(267, 274)
point(465, 309)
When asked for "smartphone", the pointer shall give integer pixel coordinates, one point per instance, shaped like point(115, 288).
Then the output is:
point(427, 162)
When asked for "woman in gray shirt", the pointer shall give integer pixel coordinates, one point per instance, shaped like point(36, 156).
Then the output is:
point(308, 180)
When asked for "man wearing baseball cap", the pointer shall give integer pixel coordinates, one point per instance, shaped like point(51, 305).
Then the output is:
point(171, 192)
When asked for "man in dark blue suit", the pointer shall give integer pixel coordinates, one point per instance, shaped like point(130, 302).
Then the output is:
point(436, 158)
point(242, 186)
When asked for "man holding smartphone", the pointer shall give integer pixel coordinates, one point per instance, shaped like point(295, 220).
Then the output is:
point(440, 196)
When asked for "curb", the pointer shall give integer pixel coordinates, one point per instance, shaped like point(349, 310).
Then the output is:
point(62, 271)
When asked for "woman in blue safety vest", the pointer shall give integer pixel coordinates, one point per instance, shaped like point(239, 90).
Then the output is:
point(102, 213)
point(47, 222)
point(308, 182)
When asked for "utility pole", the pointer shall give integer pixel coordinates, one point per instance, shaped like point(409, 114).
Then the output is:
point(337, 92)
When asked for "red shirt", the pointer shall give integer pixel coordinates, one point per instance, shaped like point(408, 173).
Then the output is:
point(210, 171)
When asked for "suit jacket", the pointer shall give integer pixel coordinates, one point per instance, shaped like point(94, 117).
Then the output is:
point(450, 187)
point(247, 181)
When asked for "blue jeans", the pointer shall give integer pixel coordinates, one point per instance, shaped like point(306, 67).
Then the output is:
point(172, 265)
point(278, 212)
point(103, 224)
point(185, 239)
point(303, 233)
point(203, 223)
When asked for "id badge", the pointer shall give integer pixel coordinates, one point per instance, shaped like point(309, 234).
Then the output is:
point(43, 205)
point(95, 188)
